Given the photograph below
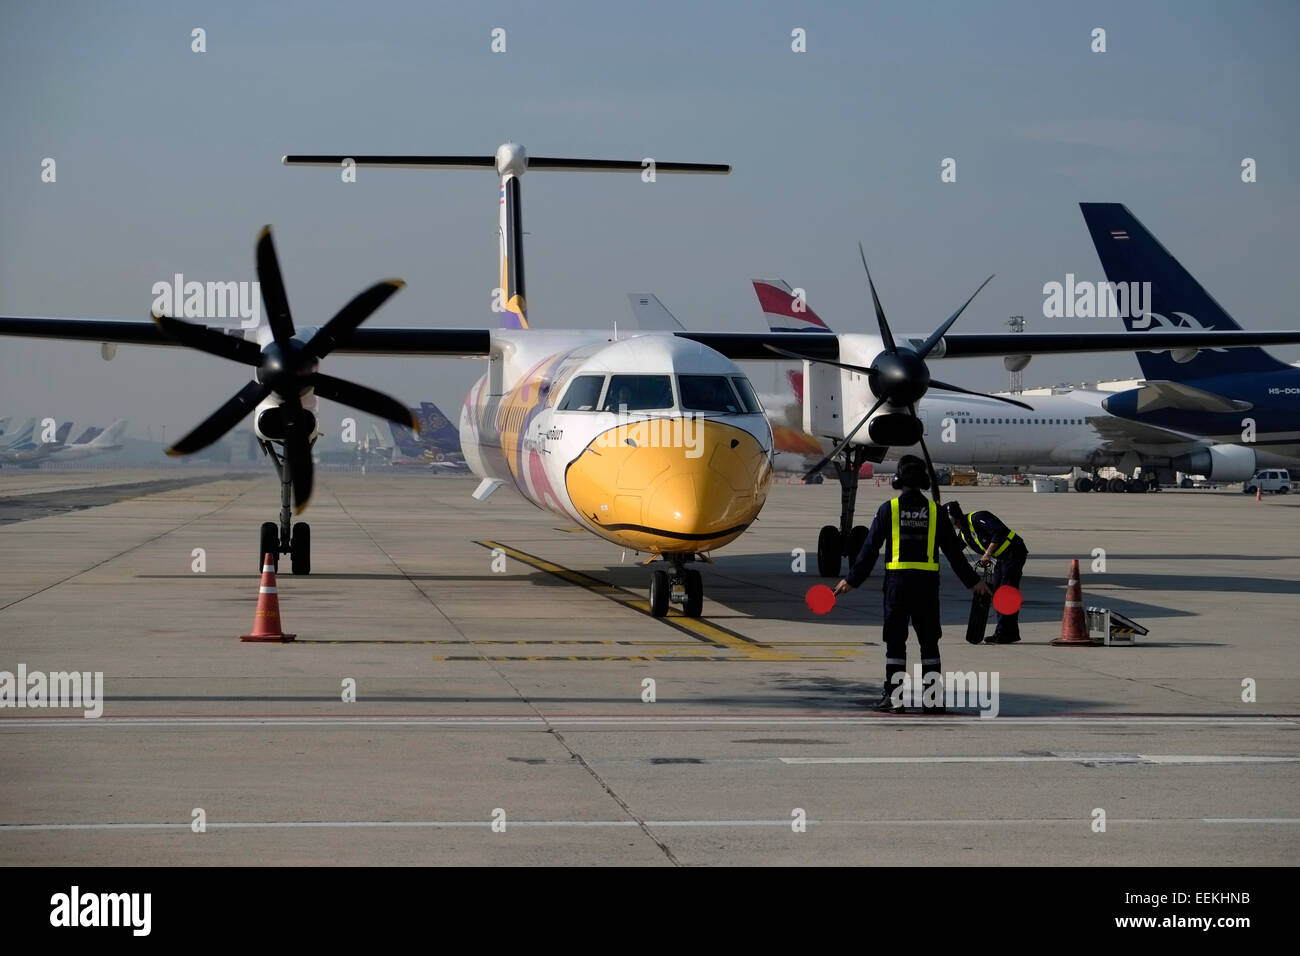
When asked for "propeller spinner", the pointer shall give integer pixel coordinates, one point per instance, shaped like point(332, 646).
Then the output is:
point(286, 368)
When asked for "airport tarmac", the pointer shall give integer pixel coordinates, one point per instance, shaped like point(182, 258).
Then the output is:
point(514, 692)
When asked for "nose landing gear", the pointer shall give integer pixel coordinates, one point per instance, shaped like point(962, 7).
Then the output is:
point(682, 586)
point(835, 543)
point(286, 537)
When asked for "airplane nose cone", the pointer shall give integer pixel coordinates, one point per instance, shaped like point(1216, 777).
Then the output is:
point(671, 485)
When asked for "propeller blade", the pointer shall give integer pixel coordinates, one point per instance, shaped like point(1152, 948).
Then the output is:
point(808, 358)
point(944, 386)
point(210, 340)
point(272, 283)
point(222, 420)
point(845, 443)
point(886, 336)
point(929, 465)
point(350, 316)
point(939, 333)
point(363, 399)
point(297, 452)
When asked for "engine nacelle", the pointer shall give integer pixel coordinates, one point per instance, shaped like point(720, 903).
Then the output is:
point(1218, 462)
point(269, 423)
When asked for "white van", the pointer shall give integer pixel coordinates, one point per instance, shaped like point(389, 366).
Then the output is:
point(1276, 480)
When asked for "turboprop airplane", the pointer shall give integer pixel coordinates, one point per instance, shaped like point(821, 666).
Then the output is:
point(1070, 428)
point(654, 440)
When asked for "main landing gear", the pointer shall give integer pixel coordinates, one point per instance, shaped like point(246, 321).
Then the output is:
point(682, 586)
point(1137, 486)
point(834, 543)
point(284, 538)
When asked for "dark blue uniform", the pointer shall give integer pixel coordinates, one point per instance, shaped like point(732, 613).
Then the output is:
point(1010, 552)
point(911, 575)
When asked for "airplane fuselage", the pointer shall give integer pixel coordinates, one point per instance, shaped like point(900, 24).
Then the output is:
point(606, 434)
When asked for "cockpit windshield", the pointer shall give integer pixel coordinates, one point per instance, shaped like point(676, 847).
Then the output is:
point(708, 393)
point(636, 393)
point(583, 394)
point(747, 397)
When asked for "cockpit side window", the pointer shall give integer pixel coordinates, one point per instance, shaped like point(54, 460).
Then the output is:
point(637, 393)
point(707, 393)
point(748, 400)
point(584, 394)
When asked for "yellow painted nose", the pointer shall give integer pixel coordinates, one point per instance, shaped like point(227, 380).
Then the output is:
point(672, 484)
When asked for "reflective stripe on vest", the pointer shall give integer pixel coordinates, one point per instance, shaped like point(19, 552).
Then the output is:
point(895, 530)
point(970, 520)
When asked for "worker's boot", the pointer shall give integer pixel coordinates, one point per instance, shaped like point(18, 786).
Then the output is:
point(932, 697)
point(1007, 631)
point(890, 695)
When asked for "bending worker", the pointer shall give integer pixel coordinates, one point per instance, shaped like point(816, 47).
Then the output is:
point(911, 529)
point(987, 535)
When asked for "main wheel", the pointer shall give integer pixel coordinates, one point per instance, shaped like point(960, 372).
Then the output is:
point(1185, 483)
point(270, 544)
point(1135, 486)
point(300, 549)
point(694, 602)
point(857, 538)
point(830, 551)
point(1099, 484)
point(1083, 484)
point(658, 594)
point(1117, 485)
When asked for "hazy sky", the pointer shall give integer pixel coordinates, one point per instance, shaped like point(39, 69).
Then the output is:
point(168, 161)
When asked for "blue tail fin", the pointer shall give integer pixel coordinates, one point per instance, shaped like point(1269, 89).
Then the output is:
point(1129, 253)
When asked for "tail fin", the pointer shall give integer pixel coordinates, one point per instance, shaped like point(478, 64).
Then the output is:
point(436, 430)
point(4, 427)
point(22, 434)
point(89, 434)
point(784, 311)
point(650, 313)
point(1130, 254)
point(510, 162)
point(111, 436)
point(795, 377)
point(407, 444)
point(61, 435)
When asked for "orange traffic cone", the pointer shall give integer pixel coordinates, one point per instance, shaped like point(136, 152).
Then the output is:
point(266, 622)
point(1259, 494)
point(1074, 629)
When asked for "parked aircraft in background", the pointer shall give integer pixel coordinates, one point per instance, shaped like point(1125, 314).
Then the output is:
point(101, 442)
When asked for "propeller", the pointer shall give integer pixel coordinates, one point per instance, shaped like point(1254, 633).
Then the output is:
point(286, 368)
point(898, 375)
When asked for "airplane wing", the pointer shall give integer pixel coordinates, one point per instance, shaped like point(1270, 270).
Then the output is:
point(753, 346)
point(462, 342)
point(750, 346)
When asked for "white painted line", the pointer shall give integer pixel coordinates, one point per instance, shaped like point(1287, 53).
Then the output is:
point(1164, 759)
point(380, 824)
point(382, 720)
point(621, 824)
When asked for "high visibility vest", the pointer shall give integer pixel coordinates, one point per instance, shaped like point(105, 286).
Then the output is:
point(970, 520)
point(895, 537)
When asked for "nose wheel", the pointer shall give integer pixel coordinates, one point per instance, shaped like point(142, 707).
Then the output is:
point(285, 537)
point(834, 543)
point(683, 586)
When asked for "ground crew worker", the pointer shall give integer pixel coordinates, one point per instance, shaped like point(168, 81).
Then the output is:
point(912, 532)
point(985, 534)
